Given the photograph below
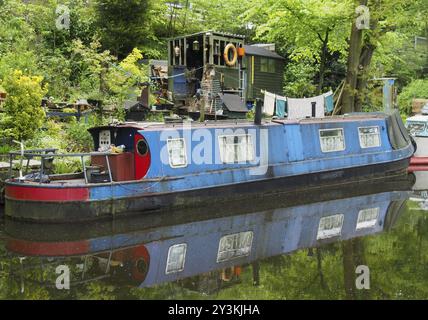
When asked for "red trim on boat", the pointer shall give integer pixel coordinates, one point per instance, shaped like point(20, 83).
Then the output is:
point(419, 161)
point(417, 168)
point(44, 194)
point(53, 249)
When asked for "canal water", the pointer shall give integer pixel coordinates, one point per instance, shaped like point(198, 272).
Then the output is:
point(361, 241)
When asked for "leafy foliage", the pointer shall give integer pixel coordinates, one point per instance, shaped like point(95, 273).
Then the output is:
point(416, 89)
point(23, 114)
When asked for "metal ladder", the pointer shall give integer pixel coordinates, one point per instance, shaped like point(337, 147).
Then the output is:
point(242, 82)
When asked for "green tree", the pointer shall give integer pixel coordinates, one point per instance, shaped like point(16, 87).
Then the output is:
point(308, 31)
point(123, 25)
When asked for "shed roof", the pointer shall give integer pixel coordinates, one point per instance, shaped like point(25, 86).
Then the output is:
point(262, 52)
point(233, 102)
point(213, 33)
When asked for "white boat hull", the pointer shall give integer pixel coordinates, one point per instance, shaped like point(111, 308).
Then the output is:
point(422, 150)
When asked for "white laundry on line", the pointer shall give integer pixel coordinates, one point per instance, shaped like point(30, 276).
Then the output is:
point(269, 103)
point(302, 108)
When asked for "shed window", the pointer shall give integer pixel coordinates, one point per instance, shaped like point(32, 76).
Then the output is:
point(176, 258)
point(235, 246)
point(330, 226)
point(367, 218)
point(267, 65)
point(369, 137)
point(332, 140)
point(236, 148)
point(177, 153)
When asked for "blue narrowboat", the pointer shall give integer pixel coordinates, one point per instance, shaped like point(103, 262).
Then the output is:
point(141, 167)
point(215, 245)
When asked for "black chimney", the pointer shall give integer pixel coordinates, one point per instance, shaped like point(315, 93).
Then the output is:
point(314, 109)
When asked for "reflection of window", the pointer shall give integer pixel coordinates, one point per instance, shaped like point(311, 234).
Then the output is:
point(177, 153)
point(236, 148)
point(369, 137)
point(332, 140)
point(235, 246)
point(367, 218)
point(176, 258)
point(267, 65)
point(330, 226)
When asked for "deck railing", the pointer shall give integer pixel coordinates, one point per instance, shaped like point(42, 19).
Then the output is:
point(50, 154)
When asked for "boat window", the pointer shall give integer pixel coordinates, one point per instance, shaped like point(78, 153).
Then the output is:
point(236, 148)
point(367, 218)
point(330, 226)
point(105, 138)
point(234, 246)
point(332, 140)
point(177, 153)
point(416, 127)
point(369, 137)
point(176, 258)
point(142, 147)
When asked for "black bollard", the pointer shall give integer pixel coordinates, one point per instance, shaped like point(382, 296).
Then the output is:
point(258, 115)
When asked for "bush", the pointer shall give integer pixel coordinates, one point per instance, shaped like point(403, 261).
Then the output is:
point(23, 112)
point(416, 89)
point(78, 137)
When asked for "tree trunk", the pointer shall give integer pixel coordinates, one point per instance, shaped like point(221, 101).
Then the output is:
point(319, 268)
point(365, 61)
point(324, 53)
point(348, 269)
point(355, 48)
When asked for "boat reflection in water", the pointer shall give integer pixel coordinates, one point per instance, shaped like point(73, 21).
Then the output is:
point(148, 250)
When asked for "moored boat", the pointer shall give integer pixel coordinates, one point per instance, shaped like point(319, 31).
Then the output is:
point(418, 129)
point(180, 165)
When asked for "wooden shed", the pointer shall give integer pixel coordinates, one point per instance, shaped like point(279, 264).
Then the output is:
point(201, 65)
point(265, 71)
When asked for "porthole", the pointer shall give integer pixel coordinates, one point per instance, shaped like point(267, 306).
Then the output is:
point(141, 266)
point(142, 147)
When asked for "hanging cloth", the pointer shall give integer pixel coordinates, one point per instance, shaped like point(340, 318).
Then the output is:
point(329, 102)
point(302, 108)
point(269, 104)
point(281, 106)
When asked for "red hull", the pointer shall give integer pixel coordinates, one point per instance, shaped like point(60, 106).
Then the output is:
point(418, 164)
point(29, 193)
